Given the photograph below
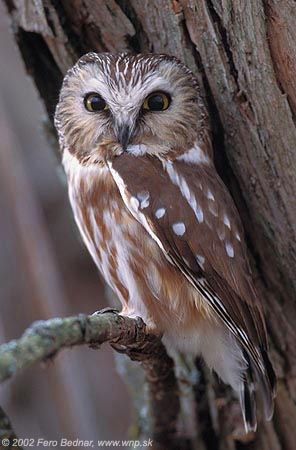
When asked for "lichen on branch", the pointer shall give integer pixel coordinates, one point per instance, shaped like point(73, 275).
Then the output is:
point(44, 339)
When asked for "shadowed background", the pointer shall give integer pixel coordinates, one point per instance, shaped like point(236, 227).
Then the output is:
point(45, 272)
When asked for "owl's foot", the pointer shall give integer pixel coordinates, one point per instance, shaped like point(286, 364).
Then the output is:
point(147, 344)
point(125, 349)
point(131, 348)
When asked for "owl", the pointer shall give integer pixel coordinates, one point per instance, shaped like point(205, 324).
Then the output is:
point(156, 218)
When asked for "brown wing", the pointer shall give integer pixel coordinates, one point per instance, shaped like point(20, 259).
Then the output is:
point(188, 211)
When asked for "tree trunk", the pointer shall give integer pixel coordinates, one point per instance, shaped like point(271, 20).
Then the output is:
point(244, 54)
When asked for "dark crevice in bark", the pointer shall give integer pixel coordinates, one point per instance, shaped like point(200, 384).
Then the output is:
point(224, 39)
point(140, 41)
point(92, 34)
point(74, 41)
point(199, 72)
point(208, 433)
point(245, 446)
point(41, 67)
point(9, 5)
point(220, 156)
point(49, 20)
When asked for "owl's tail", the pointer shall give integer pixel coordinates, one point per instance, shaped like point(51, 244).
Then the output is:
point(257, 385)
point(253, 380)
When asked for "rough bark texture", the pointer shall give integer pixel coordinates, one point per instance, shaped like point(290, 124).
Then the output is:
point(244, 53)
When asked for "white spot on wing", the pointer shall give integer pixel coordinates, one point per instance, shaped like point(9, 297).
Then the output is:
point(199, 213)
point(229, 250)
point(160, 212)
point(144, 199)
point(213, 209)
point(134, 203)
point(179, 228)
point(221, 233)
point(226, 221)
point(210, 195)
point(201, 261)
point(180, 181)
point(237, 236)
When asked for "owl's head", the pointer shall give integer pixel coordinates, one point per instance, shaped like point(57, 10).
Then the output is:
point(141, 103)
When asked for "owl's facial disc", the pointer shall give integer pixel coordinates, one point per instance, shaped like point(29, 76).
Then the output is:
point(125, 125)
point(144, 100)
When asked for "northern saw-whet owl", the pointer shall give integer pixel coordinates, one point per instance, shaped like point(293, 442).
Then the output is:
point(157, 219)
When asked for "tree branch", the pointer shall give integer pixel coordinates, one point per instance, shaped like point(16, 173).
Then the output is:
point(45, 338)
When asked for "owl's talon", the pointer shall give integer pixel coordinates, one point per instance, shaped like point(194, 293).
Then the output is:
point(140, 322)
point(134, 353)
point(108, 309)
point(119, 348)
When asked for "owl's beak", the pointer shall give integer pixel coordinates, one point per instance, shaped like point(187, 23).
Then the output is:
point(124, 134)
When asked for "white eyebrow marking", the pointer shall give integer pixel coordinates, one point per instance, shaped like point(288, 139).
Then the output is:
point(160, 212)
point(197, 210)
point(210, 195)
point(200, 260)
point(179, 228)
point(229, 250)
point(194, 155)
point(144, 199)
point(226, 221)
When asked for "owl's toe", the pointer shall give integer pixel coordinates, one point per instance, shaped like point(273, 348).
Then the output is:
point(108, 309)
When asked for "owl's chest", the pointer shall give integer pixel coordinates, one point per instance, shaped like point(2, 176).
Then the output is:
point(119, 245)
point(129, 259)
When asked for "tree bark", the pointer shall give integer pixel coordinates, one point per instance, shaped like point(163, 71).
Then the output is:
point(244, 54)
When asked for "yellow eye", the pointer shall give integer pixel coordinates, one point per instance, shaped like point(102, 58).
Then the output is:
point(93, 102)
point(158, 101)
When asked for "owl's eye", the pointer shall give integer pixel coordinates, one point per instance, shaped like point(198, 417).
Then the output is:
point(158, 101)
point(93, 102)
